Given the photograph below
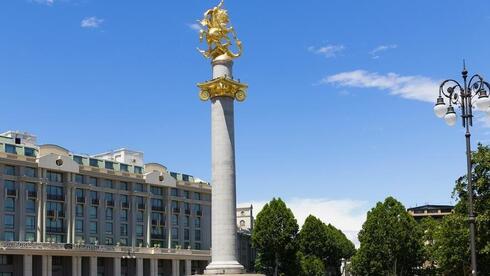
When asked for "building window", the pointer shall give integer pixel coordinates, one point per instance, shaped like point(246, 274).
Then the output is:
point(109, 241)
point(140, 216)
point(157, 219)
point(93, 227)
point(123, 241)
point(31, 189)
point(94, 162)
point(124, 167)
point(9, 236)
point(175, 220)
point(109, 214)
point(54, 209)
point(197, 196)
point(29, 172)
point(108, 184)
point(79, 226)
point(92, 181)
point(78, 178)
point(30, 152)
point(124, 215)
point(187, 194)
point(157, 204)
point(187, 222)
point(93, 212)
point(78, 159)
point(10, 188)
point(175, 233)
point(156, 190)
point(124, 229)
point(55, 177)
point(79, 211)
point(197, 246)
point(138, 187)
point(138, 170)
point(197, 235)
point(9, 170)
point(30, 223)
point(55, 193)
point(109, 165)
point(123, 186)
point(6, 259)
point(174, 192)
point(109, 228)
point(31, 206)
point(9, 221)
point(94, 197)
point(10, 149)
point(30, 236)
point(9, 204)
point(197, 222)
point(186, 234)
point(124, 201)
point(139, 230)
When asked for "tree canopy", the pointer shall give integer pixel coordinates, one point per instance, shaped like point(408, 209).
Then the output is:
point(391, 242)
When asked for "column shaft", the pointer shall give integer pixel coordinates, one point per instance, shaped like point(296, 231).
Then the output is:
point(117, 266)
point(175, 268)
point(76, 266)
point(27, 265)
point(93, 266)
point(47, 265)
point(139, 267)
point(188, 267)
point(153, 266)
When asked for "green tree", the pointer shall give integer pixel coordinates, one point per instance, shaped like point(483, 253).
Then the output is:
point(452, 237)
point(312, 266)
point(324, 242)
point(274, 238)
point(429, 227)
point(391, 242)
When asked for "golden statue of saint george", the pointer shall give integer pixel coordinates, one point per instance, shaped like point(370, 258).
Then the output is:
point(214, 27)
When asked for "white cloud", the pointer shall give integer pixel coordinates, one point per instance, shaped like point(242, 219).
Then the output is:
point(376, 51)
point(345, 214)
point(410, 87)
point(194, 26)
point(328, 51)
point(91, 22)
point(44, 2)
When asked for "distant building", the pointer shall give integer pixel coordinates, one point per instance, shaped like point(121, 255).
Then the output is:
point(108, 214)
point(245, 223)
point(433, 211)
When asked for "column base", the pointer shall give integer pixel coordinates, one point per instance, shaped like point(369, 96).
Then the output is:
point(224, 268)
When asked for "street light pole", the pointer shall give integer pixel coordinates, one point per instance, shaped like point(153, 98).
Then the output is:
point(463, 95)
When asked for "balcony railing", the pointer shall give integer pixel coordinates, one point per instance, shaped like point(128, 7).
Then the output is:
point(51, 213)
point(11, 192)
point(80, 199)
point(187, 211)
point(95, 201)
point(55, 197)
point(158, 236)
point(110, 203)
point(199, 213)
point(141, 206)
point(31, 194)
point(176, 210)
point(158, 208)
point(124, 204)
point(55, 230)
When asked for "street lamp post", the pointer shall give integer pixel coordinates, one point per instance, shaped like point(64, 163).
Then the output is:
point(462, 95)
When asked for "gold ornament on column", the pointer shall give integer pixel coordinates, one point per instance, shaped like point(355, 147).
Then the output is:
point(214, 28)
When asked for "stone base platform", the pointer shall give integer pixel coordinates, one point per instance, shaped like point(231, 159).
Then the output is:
point(246, 274)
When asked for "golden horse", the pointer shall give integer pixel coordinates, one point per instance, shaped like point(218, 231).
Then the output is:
point(216, 21)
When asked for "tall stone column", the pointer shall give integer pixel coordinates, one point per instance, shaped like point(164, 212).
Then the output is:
point(188, 267)
point(223, 218)
point(153, 266)
point(47, 265)
point(76, 266)
point(93, 266)
point(175, 267)
point(139, 267)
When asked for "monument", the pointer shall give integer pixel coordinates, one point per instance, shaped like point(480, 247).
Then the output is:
point(222, 90)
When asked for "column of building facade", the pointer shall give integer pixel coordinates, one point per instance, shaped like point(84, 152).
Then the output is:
point(175, 267)
point(168, 221)
point(93, 266)
point(47, 265)
point(148, 221)
point(132, 219)
point(43, 205)
point(20, 209)
point(27, 265)
point(188, 267)
point(153, 266)
point(68, 207)
point(139, 267)
point(76, 265)
point(117, 266)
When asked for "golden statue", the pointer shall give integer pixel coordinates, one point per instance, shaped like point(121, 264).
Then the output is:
point(214, 27)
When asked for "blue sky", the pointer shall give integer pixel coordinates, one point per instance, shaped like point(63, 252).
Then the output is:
point(339, 107)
